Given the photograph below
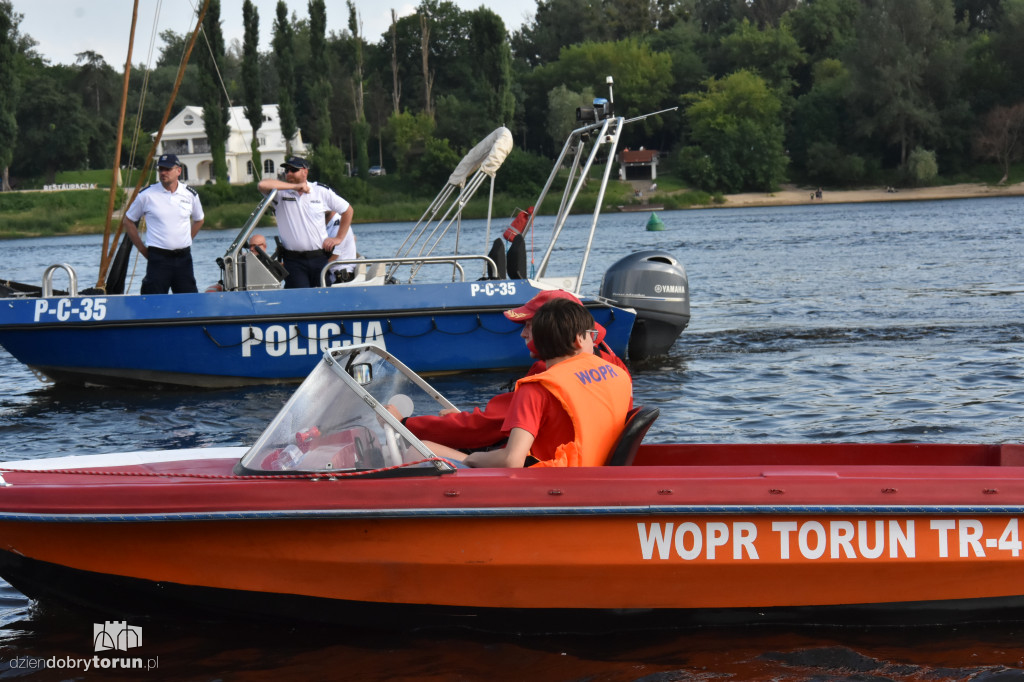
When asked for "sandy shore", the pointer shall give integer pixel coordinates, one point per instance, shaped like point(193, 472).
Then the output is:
point(791, 195)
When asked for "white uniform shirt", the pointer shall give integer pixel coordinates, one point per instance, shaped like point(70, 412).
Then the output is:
point(346, 250)
point(300, 217)
point(169, 215)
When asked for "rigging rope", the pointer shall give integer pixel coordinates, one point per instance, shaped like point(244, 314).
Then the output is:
point(144, 91)
point(137, 132)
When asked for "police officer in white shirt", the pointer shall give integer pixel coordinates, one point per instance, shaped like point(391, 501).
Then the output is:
point(300, 207)
point(173, 215)
point(346, 250)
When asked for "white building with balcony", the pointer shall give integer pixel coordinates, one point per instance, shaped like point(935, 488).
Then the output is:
point(184, 136)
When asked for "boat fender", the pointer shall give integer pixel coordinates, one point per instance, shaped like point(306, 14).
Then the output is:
point(518, 225)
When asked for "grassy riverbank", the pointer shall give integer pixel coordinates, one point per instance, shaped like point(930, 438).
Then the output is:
point(53, 213)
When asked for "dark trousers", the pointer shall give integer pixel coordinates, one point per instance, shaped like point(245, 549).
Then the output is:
point(303, 268)
point(169, 271)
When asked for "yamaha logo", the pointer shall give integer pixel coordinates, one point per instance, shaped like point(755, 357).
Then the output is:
point(669, 289)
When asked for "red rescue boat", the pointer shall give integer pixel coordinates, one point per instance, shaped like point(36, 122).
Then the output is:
point(338, 512)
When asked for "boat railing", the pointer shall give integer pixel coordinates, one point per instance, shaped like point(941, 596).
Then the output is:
point(415, 264)
point(48, 280)
point(444, 213)
point(605, 135)
point(601, 139)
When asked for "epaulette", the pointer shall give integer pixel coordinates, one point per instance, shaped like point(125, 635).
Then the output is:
point(326, 187)
point(192, 189)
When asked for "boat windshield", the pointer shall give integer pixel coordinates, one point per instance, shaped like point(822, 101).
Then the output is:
point(337, 420)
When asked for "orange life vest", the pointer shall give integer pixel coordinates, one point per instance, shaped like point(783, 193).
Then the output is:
point(596, 394)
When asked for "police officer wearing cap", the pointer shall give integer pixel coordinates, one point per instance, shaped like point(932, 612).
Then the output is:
point(300, 207)
point(173, 215)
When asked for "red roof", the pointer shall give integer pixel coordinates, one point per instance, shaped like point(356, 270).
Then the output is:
point(639, 156)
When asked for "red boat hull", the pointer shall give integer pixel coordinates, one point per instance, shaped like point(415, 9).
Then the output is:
point(762, 527)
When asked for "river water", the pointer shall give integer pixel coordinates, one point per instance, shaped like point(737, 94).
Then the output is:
point(863, 322)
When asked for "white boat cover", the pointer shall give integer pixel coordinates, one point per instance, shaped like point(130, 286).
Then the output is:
point(487, 157)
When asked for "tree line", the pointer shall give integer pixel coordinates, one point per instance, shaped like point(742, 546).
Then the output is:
point(822, 92)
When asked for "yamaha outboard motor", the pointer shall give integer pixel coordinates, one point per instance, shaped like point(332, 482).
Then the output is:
point(654, 284)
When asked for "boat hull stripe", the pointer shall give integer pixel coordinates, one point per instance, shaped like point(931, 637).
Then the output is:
point(487, 512)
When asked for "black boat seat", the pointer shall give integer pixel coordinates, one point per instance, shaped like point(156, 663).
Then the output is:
point(638, 421)
point(516, 258)
point(496, 254)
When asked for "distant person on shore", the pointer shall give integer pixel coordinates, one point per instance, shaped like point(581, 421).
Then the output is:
point(300, 207)
point(174, 215)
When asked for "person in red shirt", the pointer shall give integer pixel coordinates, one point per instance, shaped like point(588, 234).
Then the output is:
point(572, 413)
point(482, 428)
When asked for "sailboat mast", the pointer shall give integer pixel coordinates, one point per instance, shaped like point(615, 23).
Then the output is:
point(115, 176)
point(108, 252)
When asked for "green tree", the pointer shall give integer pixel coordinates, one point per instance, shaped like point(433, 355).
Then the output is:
point(407, 135)
point(1007, 52)
point(556, 25)
point(1001, 138)
point(9, 92)
point(173, 49)
point(683, 43)
point(523, 175)
point(737, 135)
point(320, 88)
point(979, 14)
point(631, 18)
point(149, 90)
point(717, 16)
point(922, 166)
point(435, 164)
point(98, 86)
point(284, 59)
point(769, 13)
point(329, 165)
point(645, 75)
point(827, 164)
point(360, 129)
point(215, 107)
point(54, 129)
point(824, 28)
point(772, 53)
point(460, 121)
point(562, 105)
point(492, 57)
point(902, 69)
point(821, 121)
point(252, 84)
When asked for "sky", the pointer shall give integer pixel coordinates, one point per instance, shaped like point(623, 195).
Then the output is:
point(63, 28)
